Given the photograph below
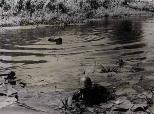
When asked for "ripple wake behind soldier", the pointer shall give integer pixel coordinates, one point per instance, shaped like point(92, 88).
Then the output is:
point(91, 94)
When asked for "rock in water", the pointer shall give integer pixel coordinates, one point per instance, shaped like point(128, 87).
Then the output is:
point(11, 75)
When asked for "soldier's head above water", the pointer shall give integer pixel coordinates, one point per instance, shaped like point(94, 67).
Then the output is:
point(90, 93)
point(86, 82)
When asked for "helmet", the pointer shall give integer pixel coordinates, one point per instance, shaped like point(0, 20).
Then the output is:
point(86, 82)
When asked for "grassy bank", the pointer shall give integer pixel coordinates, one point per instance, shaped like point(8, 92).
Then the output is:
point(24, 12)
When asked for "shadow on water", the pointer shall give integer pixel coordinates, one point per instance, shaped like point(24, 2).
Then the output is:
point(127, 31)
point(128, 35)
point(94, 31)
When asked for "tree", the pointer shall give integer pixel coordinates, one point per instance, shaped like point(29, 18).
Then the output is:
point(2, 3)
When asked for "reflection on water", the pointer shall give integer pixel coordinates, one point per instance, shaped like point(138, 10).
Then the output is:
point(127, 31)
point(29, 53)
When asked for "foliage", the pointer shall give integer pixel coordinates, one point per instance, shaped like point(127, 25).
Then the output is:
point(67, 11)
point(106, 69)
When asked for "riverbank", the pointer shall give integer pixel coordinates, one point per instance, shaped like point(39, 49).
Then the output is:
point(31, 12)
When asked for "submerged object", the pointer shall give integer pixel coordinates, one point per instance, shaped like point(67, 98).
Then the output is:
point(11, 74)
point(11, 78)
point(51, 40)
point(57, 40)
point(13, 82)
point(91, 94)
point(22, 84)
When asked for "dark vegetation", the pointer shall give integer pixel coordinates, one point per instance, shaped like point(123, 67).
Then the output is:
point(66, 11)
point(107, 69)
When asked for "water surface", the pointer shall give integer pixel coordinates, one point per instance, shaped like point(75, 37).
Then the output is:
point(44, 64)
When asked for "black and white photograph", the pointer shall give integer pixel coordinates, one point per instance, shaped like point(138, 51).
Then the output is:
point(76, 56)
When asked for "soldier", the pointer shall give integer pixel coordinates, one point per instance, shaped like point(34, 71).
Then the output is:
point(91, 94)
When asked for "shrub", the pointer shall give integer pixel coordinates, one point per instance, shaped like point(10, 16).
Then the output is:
point(39, 5)
point(6, 7)
point(107, 69)
point(51, 6)
point(62, 8)
point(2, 3)
point(19, 6)
point(94, 4)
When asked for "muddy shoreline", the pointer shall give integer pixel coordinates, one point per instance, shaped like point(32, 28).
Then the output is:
point(130, 96)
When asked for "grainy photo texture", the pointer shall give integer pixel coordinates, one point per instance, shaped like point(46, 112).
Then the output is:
point(76, 56)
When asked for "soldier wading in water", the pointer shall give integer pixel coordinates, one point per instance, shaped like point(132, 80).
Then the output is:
point(91, 94)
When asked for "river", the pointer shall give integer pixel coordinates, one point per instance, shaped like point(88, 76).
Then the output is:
point(45, 66)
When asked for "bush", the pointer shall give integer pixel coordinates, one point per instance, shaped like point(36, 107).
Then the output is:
point(106, 4)
point(2, 3)
point(90, 14)
point(19, 5)
point(62, 8)
point(39, 5)
point(51, 6)
point(94, 4)
point(6, 7)
point(30, 7)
